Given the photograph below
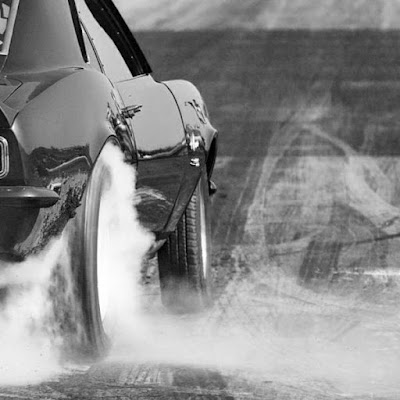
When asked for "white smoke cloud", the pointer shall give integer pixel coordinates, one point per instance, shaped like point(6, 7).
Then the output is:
point(31, 344)
point(127, 246)
point(29, 352)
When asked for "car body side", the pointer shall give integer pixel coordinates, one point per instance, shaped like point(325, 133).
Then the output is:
point(57, 115)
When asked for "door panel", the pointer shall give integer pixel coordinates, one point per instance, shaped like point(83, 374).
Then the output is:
point(161, 145)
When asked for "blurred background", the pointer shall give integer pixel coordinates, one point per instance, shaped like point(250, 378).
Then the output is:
point(261, 14)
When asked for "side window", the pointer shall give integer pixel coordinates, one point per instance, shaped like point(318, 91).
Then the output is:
point(93, 58)
point(114, 64)
point(7, 18)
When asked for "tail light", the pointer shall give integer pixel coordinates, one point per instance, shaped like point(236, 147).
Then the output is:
point(4, 158)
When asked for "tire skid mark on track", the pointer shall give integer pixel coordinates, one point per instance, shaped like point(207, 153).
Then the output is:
point(290, 172)
point(360, 195)
point(231, 236)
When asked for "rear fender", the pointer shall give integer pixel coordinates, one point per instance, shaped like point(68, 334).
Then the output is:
point(195, 116)
point(58, 149)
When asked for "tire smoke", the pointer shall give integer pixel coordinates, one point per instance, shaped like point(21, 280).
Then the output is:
point(29, 345)
point(127, 246)
point(33, 345)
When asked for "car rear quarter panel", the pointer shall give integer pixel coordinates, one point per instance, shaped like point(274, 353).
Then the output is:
point(195, 120)
point(60, 134)
point(187, 96)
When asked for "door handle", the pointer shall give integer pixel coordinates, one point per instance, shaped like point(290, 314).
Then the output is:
point(131, 111)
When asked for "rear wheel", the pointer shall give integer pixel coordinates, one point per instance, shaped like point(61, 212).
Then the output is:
point(85, 296)
point(185, 259)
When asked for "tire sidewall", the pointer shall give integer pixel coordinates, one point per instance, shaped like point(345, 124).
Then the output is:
point(97, 340)
point(205, 276)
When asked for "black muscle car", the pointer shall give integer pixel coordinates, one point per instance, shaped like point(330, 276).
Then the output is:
point(73, 79)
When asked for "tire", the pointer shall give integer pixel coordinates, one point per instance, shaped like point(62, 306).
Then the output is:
point(184, 260)
point(79, 316)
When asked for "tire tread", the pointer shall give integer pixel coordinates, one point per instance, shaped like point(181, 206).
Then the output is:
point(183, 288)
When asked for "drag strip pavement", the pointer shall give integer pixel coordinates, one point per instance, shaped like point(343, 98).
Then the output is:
point(321, 298)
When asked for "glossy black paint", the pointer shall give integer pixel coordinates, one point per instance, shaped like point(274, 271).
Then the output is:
point(44, 38)
point(60, 129)
point(57, 112)
point(161, 147)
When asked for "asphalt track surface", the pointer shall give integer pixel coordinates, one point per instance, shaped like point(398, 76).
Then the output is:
point(305, 232)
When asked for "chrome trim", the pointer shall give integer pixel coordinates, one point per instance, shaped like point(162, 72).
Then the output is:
point(197, 108)
point(27, 197)
point(164, 152)
point(4, 158)
point(131, 111)
point(195, 162)
point(55, 187)
point(194, 138)
point(69, 164)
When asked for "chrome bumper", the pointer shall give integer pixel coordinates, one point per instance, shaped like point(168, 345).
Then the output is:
point(27, 197)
